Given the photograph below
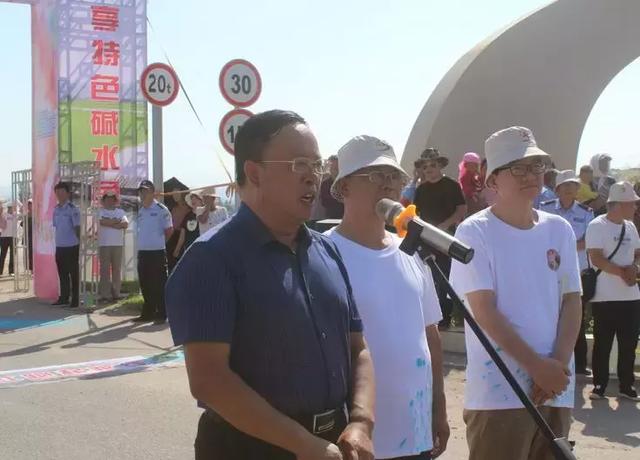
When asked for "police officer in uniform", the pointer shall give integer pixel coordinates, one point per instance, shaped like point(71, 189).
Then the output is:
point(154, 227)
point(579, 216)
point(66, 221)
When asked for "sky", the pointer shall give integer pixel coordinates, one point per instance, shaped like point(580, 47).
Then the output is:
point(349, 67)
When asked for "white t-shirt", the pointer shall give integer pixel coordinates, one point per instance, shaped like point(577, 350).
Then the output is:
point(216, 217)
point(604, 234)
point(108, 236)
point(396, 299)
point(12, 226)
point(529, 271)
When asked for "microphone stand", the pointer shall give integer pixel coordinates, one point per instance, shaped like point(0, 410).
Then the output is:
point(561, 447)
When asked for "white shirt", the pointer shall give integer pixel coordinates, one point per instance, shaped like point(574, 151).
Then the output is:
point(215, 217)
point(529, 271)
point(12, 226)
point(604, 234)
point(396, 299)
point(108, 236)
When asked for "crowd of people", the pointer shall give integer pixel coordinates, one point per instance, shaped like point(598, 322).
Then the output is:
point(162, 236)
point(327, 346)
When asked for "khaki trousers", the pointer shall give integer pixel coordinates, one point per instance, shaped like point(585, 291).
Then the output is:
point(110, 271)
point(511, 434)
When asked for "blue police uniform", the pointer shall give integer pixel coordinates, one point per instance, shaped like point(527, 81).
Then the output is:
point(151, 224)
point(286, 315)
point(546, 195)
point(66, 221)
point(579, 216)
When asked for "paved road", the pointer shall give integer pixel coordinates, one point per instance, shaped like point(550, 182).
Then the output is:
point(135, 413)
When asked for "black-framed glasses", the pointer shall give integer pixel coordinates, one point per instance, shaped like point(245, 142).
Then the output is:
point(381, 178)
point(521, 170)
point(302, 165)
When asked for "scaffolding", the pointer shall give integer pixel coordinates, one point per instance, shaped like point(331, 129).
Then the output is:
point(21, 191)
point(84, 180)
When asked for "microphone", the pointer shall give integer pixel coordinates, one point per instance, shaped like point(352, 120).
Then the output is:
point(396, 215)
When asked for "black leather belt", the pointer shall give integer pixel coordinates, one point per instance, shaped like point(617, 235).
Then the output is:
point(315, 423)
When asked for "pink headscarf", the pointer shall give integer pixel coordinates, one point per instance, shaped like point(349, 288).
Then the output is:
point(469, 157)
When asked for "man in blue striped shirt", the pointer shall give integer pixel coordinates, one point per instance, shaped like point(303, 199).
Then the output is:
point(273, 340)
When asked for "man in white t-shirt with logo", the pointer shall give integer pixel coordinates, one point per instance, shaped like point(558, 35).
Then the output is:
point(400, 308)
point(523, 288)
point(616, 303)
point(113, 223)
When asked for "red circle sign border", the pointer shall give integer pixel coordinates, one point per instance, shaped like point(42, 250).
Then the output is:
point(143, 77)
point(228, 98)
point(224, 121)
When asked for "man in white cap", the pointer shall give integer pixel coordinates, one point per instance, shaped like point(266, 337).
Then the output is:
point(579, 216)
point(523, 287)
point(400, 309)
point(614, 249)
point(113, 223)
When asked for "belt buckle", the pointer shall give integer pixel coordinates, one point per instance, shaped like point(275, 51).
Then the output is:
point(324, 422)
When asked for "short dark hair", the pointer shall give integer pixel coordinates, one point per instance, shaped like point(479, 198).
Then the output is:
point(255, 134)
point(419, 162)
point(62, 185)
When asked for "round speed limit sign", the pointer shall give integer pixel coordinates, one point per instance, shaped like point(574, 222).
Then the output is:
point(229, 126)
point(240, 83)
point(159, 84)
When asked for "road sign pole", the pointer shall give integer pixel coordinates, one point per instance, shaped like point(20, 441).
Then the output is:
point(156, 127)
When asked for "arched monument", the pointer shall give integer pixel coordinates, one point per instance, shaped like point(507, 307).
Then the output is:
point(545, 71)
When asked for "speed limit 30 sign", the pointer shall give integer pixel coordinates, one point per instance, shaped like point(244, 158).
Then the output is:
point(229, 126)
point(240, 83)
point(159, 84)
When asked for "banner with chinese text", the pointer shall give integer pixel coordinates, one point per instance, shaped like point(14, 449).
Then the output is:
point(102, 112)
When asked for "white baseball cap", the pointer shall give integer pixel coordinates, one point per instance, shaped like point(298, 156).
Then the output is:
point(622, 192)
point(509, 145)
point(361, 152)
point(566, 176)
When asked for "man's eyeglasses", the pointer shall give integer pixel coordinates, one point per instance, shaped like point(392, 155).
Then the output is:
point(381, 178)
point(521, 170)
point(302, 165)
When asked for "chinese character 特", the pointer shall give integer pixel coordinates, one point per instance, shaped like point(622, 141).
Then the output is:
point(106, 156)
point(106, 53)
point(105, 88)
point(104, 18)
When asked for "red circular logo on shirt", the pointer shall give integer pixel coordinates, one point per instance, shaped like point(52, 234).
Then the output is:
point(553, 259)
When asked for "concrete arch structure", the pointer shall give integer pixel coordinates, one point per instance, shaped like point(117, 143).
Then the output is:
point(545, 71)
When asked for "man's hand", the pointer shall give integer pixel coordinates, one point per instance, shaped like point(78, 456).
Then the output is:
point(539, 396)
point(355, 443)
point(550, 375)
point(630, 274)
point(441, 433)
point(319, 449)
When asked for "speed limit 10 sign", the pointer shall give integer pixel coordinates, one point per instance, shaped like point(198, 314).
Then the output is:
point(240, 83)
point(229, 127)
point(159, 84)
